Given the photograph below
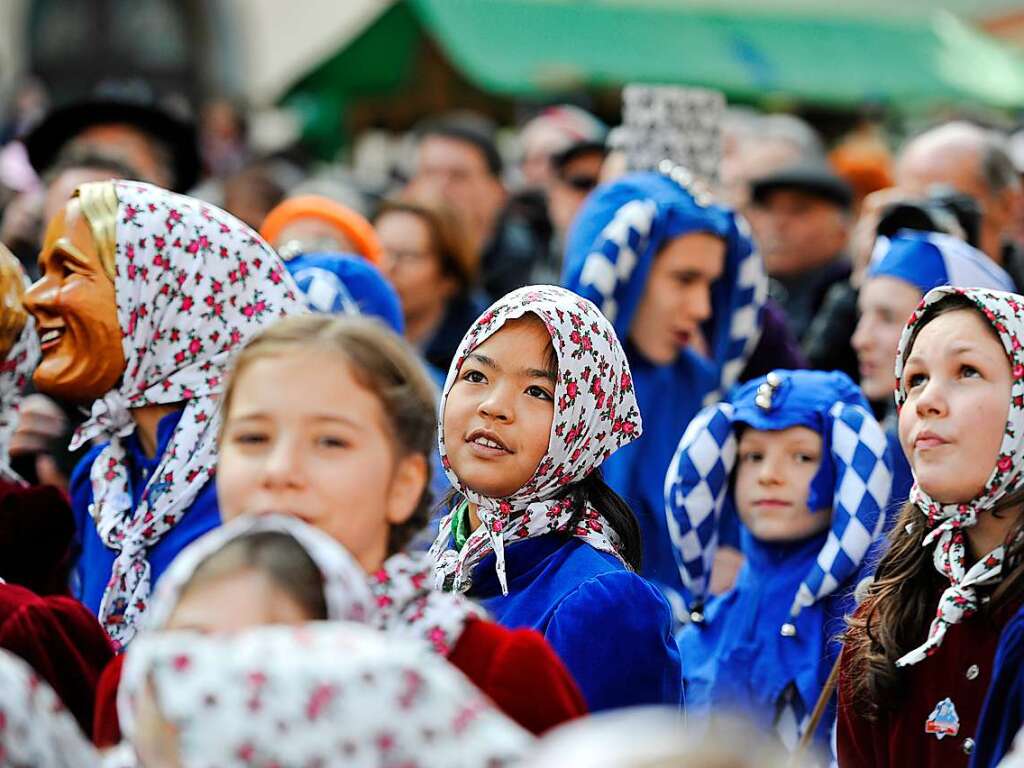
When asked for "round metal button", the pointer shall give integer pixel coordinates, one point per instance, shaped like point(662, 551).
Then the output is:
point(973, 671)
point(968, 746)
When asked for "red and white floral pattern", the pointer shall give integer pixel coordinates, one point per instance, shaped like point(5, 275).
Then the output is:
point(35, 728)
point(323, 694)
point(596, 413)
point(346, 593)
point(1005, 311)
point(15, 372)
point(409, 605)
point(193, 284)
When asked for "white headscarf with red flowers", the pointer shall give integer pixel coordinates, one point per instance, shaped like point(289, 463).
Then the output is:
point(408, 603)
point(35, 728)
point(595, 413)
point(193, 283)
point(322, 694)
point(1005, 311)
point(346, 594)
point(15, 372)
point(399, 598)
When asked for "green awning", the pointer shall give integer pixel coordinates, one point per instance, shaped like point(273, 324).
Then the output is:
point(818, 53)
point(528, 47)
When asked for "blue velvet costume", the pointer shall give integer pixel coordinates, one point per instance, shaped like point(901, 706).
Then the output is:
point(610, 251)
point(97, 559)
point(572, 594)
point(766, 646)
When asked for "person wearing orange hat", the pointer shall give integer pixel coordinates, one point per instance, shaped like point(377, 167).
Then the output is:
point(309, 223)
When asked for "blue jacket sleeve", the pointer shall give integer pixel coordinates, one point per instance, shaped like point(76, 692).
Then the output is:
point(614, 633)
point(1003, 711)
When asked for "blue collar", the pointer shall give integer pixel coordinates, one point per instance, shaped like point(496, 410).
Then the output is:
point(164, 429)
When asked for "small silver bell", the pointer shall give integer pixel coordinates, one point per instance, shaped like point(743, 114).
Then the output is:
point(766, 392)
point(788, 630)
point(697, 616)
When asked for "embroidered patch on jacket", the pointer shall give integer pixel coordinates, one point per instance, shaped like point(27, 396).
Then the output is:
point(943, 721)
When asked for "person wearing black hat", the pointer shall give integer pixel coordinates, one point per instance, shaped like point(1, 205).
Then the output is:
point(162, 146)
point(801, 219)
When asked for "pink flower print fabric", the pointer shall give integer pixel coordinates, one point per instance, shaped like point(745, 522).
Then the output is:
point(409, 605)
point(346, 593)
point(193, 284)
point(35, 728)
point(1005, 311)
point(15, 373)
point(596, 413)
point(323, 694)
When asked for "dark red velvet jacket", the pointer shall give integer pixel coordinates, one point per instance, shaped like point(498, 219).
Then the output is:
point(516, 668)
point(37, 531)
point(61, 640)
point(960, 670)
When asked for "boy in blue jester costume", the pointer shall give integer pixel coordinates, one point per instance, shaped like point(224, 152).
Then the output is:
point(808, 469)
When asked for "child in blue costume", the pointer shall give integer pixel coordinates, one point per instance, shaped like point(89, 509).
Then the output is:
point(192, 284)
point(808, 468)
point(538, 396)
point(616, 256)
point(903, 269)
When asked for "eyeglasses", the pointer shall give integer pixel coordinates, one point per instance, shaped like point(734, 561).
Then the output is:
point(580, 183)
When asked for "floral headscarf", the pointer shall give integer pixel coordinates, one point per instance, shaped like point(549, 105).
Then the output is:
point(15, 372)
point(399, 598)
point(35, 728)
point(595, 414)
point(409, 605)
point(324, 694)
point(346, 594)
point(1005, 311)
point(193, 284)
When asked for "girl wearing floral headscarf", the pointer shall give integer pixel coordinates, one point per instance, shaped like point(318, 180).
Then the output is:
point(538, 396)
point(919, 651)
point(680, 280)
point(349, 453)
point(145, 296)
point(333, 695)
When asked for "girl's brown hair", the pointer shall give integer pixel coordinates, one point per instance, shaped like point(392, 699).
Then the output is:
point(383, 364)
point(900, 604)
point(447, 237)
point(277, 556)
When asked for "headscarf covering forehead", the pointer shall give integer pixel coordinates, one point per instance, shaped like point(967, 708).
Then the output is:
point(346, 593)
point(324, 694)
point(595, 413)
point(193, 284)
point(1005, 313)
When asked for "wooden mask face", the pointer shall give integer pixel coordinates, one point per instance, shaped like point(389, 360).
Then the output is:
point(75, 307)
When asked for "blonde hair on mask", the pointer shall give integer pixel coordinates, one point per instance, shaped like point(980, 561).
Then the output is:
point(383, 364)
point(98, 200)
